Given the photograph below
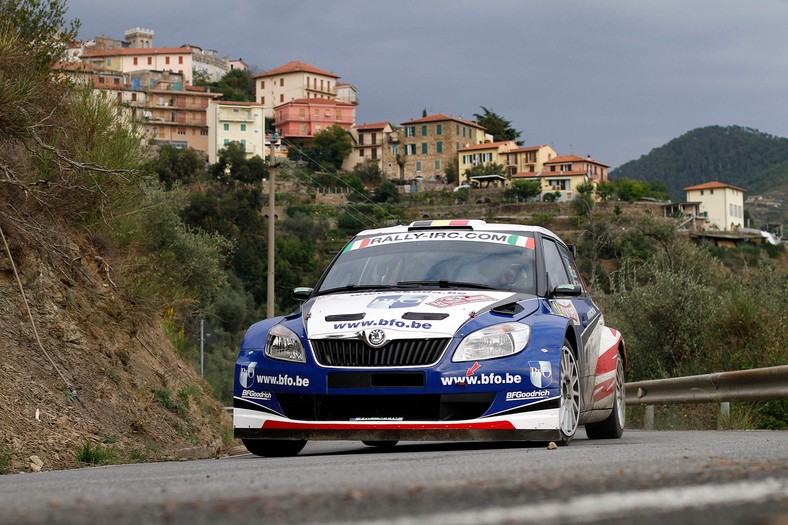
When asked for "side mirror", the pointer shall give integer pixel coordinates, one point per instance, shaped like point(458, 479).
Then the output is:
point(567, 290)
point(302, 293)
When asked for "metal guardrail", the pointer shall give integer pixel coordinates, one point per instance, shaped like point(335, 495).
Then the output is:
point(757, 384)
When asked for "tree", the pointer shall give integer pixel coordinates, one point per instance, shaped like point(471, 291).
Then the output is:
point(368, 171)
point(497, 126)
point(176, 164)
point(327, 148)
point(232, 159)
point(235, 85)
point(525, 189)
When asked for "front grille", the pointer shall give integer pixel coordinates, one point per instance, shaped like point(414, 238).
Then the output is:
point(399, 352)
point(417, 407)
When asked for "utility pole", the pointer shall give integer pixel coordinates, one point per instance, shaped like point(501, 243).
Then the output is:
point(271, 218)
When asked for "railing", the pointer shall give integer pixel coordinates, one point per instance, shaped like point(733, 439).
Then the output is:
point(758, 384)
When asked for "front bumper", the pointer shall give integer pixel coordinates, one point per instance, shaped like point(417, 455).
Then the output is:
point(536, 425)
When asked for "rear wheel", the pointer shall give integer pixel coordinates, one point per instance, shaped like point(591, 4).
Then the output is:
point(613, 426)
point(569, 409)
point(274, 447)
point(381, 444)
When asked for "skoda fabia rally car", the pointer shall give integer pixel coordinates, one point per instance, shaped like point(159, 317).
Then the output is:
point(440, 330)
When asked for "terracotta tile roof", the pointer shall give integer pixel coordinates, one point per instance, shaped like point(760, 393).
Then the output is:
point(376, 125)
point(527, 148)
point(295, 67)
point(441, 118)
point(712, 186)
point(525, 175)
point(317, 102)
point(137, 51)
point(574, 158)
point(237, 103)
point(488, 145)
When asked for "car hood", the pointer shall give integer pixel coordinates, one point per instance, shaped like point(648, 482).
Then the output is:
point(401, 315)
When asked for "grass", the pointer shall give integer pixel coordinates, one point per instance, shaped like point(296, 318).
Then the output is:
point(5, 460)
point(164, 397)
point(95, 455)
point(707, 416)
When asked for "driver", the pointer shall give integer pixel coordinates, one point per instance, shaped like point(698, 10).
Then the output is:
point(511, 275)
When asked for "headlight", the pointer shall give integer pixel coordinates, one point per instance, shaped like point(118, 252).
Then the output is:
point(494, 341)
point(285, 345)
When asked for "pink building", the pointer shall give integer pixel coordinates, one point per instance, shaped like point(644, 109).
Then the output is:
point(304, 117)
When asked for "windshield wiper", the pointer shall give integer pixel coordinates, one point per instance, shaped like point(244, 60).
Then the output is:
point(446, 284)
point(356, 288)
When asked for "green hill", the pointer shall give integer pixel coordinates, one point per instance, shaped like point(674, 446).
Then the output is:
point(744, 157)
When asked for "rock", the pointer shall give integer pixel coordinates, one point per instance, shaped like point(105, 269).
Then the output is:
point(552, 446)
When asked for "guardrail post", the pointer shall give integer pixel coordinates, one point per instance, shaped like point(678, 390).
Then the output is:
point(648, 419)
point(725, 415)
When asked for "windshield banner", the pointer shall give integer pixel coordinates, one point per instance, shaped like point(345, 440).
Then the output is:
point(493, 237)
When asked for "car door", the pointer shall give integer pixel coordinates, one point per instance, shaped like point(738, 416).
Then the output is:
point(584, 315)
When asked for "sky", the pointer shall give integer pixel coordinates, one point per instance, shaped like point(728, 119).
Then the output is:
point(610, 79)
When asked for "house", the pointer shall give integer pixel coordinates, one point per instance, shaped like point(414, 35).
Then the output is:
point(527, 161)
point(376, 142)
point(127, 60)
point(721, 204)
point(565, 173)
point(293, 81)
point(239, 64)
point(346, 93)
point(208, 64)
point(430, 145)
point(179, 118)
point(240, 122)
point(483, 154)
point(303, 117)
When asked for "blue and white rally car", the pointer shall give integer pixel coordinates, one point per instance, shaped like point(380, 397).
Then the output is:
point(440, 330)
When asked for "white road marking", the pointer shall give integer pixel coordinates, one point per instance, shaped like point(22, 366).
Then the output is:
point(605, 506)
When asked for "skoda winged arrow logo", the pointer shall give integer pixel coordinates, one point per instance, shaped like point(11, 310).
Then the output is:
point(376, 338)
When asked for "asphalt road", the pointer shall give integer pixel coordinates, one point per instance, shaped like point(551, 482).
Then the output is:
point(724, 477)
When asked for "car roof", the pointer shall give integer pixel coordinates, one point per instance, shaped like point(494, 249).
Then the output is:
point(460, 224)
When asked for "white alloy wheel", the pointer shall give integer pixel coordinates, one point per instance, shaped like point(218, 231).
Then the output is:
point(569, 409)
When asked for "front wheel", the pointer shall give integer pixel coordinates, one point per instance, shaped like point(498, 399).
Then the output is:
point(569, 409)
point(613, 426)
point(274, 447)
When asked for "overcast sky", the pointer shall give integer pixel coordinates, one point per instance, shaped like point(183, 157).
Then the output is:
point(612, 79)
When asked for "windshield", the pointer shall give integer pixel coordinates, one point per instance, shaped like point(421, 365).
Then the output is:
point(500, 261)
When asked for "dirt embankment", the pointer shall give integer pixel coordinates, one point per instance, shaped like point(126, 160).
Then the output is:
point(105, 385)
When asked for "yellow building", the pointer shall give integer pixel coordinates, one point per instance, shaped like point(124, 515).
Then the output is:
point(527, 161)
point(721, 204)
point(240, 122)
point(565, 173)
point(482, 154)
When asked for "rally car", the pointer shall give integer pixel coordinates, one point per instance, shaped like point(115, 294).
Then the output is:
point(439, 330)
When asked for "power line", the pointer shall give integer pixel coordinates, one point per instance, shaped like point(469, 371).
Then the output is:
point(331, 171)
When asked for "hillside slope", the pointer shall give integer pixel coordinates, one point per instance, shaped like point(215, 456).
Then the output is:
point(136, 400)
point(744, 157)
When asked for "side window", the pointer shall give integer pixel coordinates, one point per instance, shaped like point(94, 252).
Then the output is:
point(574, 275)
point(554, 266)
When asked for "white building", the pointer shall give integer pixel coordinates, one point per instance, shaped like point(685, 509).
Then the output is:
point(721, 204)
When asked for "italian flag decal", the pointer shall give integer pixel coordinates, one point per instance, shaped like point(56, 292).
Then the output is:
point(522, 242)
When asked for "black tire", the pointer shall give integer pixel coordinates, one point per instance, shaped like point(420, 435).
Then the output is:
point(274, 448)
point(569, 409)
point(613, 426)
point(381, 444)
